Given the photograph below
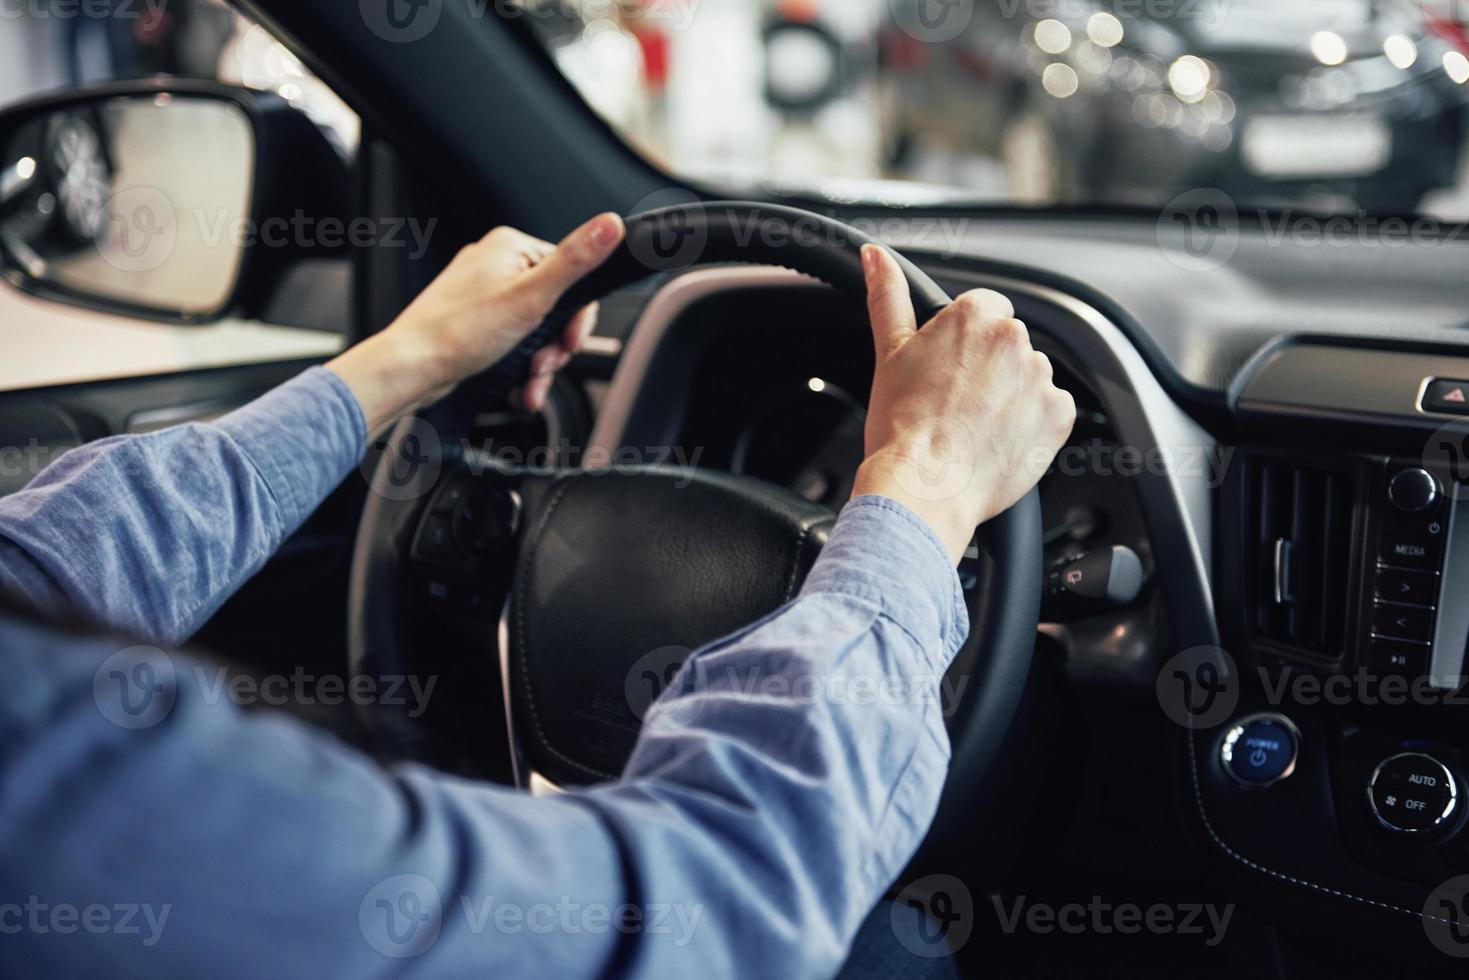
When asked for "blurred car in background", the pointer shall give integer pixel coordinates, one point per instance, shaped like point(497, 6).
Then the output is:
point(1253, 97)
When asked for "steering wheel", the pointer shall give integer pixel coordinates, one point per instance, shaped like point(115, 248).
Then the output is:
point(607, 580)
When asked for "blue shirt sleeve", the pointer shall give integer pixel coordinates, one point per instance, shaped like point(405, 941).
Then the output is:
point(149, 534)
point(777, 788)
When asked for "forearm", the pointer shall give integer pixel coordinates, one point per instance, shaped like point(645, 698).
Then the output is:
point(747, 838)
point(149, 534)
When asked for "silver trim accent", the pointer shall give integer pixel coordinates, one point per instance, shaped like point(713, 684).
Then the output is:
point(1283, 592)
point(1171, 426)
point(1439, 820)
point(502, 639)
point(531, 780)
point(1226, 748)
point(1451, 625)
point(661, 313)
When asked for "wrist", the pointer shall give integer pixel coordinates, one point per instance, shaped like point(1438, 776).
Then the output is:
point(951, 517)
point(389, 373)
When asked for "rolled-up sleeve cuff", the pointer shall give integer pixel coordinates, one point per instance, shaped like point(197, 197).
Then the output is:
point(303, 437)
point(882, 552)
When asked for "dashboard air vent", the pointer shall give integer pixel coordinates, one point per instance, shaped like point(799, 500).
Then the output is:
point(1302, 540)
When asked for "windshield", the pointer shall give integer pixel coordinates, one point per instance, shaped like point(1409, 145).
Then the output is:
point(1335, 105)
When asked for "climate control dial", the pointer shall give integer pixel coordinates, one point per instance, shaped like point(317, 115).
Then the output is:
point(1412, 793)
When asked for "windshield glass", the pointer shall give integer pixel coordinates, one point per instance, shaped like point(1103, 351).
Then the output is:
point(1335, 105)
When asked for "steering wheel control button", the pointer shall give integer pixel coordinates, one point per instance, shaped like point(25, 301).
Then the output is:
point(487, 520)
point(1402, 551)
point(436, 542)
point(1411, 793)
point(1413, 491)
point(1260, 750)
point(1446, 396)
point(1413, 588)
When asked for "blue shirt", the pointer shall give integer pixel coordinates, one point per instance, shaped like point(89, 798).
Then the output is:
point(150, 827)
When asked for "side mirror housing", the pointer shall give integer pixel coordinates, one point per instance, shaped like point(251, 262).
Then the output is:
point(169, 199)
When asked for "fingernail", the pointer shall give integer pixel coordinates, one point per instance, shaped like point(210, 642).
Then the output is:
point(603, 229)
point(869, 259)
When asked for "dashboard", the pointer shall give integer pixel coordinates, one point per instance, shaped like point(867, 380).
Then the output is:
point(1273, 701)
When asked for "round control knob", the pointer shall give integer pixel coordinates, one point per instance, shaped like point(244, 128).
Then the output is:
point(1413, 491)
point(1260, 750)
point(1411, 793)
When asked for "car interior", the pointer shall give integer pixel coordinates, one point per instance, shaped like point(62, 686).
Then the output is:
point(1217, 659)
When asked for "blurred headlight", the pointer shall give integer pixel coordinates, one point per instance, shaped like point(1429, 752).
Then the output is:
point(1401, 51)
point(1189, 78)
point(1104, 29)
point(1328, 47)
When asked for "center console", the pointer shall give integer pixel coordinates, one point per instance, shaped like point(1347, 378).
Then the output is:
point(1342, 592)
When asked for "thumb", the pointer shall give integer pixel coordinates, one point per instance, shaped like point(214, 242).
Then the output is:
point(578, 254)
point(889, 305)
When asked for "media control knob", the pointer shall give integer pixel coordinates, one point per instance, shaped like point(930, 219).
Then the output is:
point(1260, 750)
point(1410, 793)
point(1413, 491)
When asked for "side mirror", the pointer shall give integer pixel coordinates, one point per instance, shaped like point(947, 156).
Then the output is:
point(146, 198)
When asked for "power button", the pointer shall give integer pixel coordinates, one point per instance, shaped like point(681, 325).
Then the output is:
point(1260, 750)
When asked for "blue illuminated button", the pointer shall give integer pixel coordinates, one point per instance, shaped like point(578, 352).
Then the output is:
point(1260, 750)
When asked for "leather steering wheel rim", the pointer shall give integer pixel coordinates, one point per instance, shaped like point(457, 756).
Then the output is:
point(1004, 604)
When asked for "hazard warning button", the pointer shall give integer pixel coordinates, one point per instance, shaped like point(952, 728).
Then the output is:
point(1448, 396)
